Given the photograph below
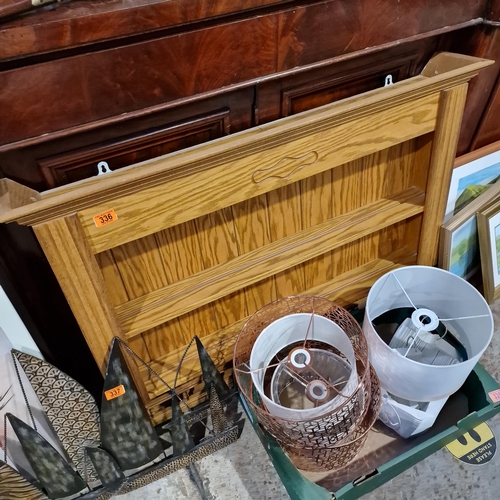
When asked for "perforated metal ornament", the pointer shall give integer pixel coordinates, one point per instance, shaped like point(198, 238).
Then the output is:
point(333, 439)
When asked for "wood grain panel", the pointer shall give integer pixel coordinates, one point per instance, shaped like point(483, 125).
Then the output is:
point(347, 186)
point(93, 86)
point(73, 25)
point(413, 228)
point(140, 266)
point(77, 24)
point(118, 295)
point(154, 308)
point(285, 219)
point(181, 256)
point(316, 208)
point(399, 175)
point(391, 239)
point(152, 210)
point(217, 236)
point(141, 269)
point(381, 22)
point(422, 161)
point(421, 165)
point(350, 287)
point(112, 277)
point(374, 178)
point(251, 221)
point(400, 168)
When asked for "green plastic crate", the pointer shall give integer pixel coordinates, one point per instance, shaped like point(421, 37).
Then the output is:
point(473, 394)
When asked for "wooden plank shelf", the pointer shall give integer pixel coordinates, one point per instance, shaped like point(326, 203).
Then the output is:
point(345, 289)
point(353, 284)
point(160, 306)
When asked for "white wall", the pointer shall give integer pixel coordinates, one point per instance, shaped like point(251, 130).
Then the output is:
point(13, 333)
point(14, 328)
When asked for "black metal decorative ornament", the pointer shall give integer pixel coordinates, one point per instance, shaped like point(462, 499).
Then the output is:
point(117, 450)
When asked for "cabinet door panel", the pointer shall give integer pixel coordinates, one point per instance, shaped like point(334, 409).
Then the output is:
point(82, 163)
point(340, 79)
point(314, 93)
point(56, 162)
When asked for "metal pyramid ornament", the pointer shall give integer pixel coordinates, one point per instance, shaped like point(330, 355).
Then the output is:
point(70, 408)
point(126, 430)
point(105, 465)
point(13, 486)
point(219, 420)
point(211, 376)
point(131, 454)
point(182, 441)
point(54, 473)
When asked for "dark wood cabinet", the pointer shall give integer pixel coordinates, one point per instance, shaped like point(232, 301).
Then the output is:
point(81, 163)
point(73, 93)
point(53, 162)
point(95, 80)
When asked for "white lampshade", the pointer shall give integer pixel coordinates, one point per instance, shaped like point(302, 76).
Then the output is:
point(283, 333)
point(455, 303)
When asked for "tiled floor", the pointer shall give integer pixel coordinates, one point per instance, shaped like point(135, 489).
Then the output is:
point(243, 470)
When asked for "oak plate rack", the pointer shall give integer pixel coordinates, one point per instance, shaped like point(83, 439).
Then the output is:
point(322, 203)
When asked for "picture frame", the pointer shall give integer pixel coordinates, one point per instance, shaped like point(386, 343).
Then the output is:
point(459, 242)
point(488, 225)
point(472, 173)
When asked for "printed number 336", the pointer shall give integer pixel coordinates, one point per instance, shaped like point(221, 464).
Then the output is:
point(104, 218)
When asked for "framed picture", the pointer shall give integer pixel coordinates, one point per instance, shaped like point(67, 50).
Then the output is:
point(472, 175)
point(488, 225)
point(458, 242)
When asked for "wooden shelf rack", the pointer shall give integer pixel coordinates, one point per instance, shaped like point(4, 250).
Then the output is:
point(324, 203)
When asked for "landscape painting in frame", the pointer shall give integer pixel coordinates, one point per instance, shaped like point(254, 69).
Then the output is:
point(464, 251)
point(471, 180)
point(497, 248)
point(488, 223)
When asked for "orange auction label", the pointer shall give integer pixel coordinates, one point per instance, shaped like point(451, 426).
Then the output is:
point(494, 395)
point(105, 218)
point(116, 392)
